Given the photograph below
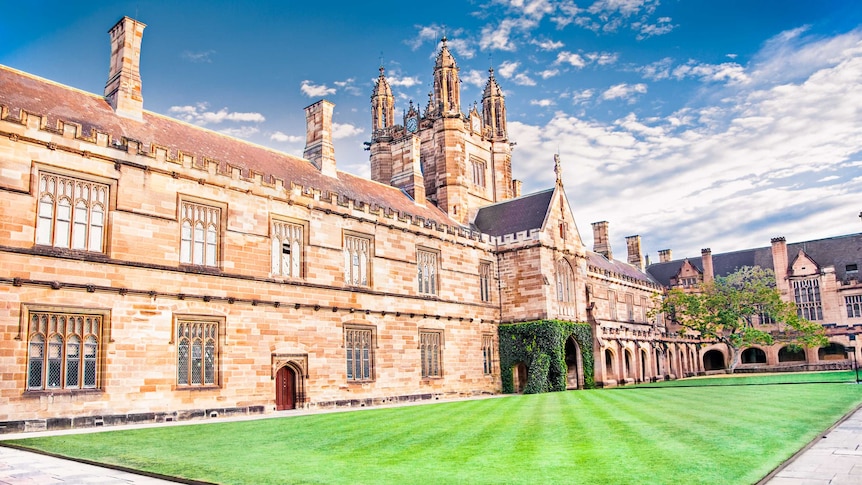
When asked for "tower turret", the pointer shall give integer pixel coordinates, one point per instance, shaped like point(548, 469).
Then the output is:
point(382, 106)
point(447, 86)
point(494, 108)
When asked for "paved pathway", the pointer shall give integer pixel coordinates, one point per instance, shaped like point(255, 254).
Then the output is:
point(834, 459)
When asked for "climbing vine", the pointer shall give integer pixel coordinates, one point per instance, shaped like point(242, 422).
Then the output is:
point(541, 346)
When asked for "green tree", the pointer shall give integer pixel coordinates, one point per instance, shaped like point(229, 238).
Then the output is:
point(726, 311)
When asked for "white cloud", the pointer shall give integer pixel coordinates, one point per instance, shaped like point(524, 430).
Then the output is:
point(405, 81)
point(344, 130)
point(198, 114)
point(624, 91)
point(766, 159)
point(547, 45)
point(474, 77)
point(602, 58)
point(542, 102)
point(571, 58)
point(522, 79)
point(549, 73)
point(507, 69)
point(499, 37)
point(315, 90)
point(241, 131)
point(285, 138)
point(197, 57)
point(424, 34)
point(730, 72)
point(657, 70)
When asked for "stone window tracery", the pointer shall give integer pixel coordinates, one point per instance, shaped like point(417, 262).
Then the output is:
point(199, 240)
point(806, 293)
point(287, 249)
point(426, 267)
point(360, 357)
point(430, 352)
point(197, 353)
point(64, 350)
point(71, 213)
point(357, 262)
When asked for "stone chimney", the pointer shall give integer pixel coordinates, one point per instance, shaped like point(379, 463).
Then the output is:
point(516, 188)
point(601, 244)
point(633, 244)
point(780, 264)
point(664, 255)
point(318, 137)
point(706, 259)
point(123, 89)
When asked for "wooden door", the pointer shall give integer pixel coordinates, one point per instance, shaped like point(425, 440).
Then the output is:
point(285, 389)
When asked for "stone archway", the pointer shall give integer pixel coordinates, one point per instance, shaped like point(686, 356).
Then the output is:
point(713, 360)
point(519, 376)
point(753, 355)
point(574, 365)
point(290, 371)
point(787, 354)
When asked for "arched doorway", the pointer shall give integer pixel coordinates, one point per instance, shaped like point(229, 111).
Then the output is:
point(628, 364)
point(610, 372)
point(787, 354)
point(713, 360)
point(285, 389)
point(519, 376)
point(753, 356)
point(573, 358)
point(832, 351)
point(643, 365)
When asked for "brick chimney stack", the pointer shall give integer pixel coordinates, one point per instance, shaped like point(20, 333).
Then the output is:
point(123, 89)
point(516, 188)
point(319, 149)
point(708, 271)
point(664, 255)
point(601, 243)
point(633, 244)
point(780, 264)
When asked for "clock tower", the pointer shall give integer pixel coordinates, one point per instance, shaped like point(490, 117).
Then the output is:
point(458, 162)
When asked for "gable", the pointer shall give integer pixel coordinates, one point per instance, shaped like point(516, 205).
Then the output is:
point(803, 265)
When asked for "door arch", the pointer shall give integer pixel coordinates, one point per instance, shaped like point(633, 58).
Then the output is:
point(574, 377)
point(285, 389)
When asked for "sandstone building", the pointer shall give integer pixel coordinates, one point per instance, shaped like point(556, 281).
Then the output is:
point(820, 276)
point(154, 270)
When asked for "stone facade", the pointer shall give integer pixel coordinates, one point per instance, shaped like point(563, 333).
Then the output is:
point(820, 276)
point(153, 270)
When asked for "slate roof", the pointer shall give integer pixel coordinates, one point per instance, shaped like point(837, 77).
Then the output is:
point(838, 251)
point(22, 91)
point(515, 215)
point(619, 267)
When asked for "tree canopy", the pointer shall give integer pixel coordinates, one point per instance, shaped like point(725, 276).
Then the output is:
point(741, 309)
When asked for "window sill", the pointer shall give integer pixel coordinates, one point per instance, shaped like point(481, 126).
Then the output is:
point(60, 392)
point(197, 388)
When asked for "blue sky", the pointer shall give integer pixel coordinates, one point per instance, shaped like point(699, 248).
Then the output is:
point(692, 123)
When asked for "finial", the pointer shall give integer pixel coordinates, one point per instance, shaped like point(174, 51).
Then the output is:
point(558, 169)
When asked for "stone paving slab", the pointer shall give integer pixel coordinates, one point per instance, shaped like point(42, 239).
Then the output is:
point(18, 467)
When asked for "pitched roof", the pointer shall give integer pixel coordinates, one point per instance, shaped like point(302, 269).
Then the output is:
point(22, 91)
point(620, 268)
point(838, 251)
point(514, 215)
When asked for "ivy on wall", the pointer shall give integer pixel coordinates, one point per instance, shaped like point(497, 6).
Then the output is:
point(541, 346)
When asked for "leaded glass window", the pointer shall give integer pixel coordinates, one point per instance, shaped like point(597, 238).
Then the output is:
point(197, 353)
point(485, 281)
point(287, 243)
point(806, 293)
point(199, 234)
point(488, 354)
point(357, 343)
point(565, 287)
point(429, 351)
point(71, 213)
point(63, 350)
point(357, 250)
point(854, 306)
point(426, 266)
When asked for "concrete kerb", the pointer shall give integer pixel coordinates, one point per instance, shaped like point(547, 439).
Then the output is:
point(807, 447)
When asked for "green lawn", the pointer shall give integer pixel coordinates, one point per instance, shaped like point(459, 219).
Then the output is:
point(754, 379)
point(691, 435)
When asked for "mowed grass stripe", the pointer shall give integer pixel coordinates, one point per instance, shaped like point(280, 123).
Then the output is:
point(722, 435)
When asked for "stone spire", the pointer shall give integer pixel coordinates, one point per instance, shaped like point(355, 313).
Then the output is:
point(494, 107)
point(447, 86)
point(558, 169)
point(382, 105)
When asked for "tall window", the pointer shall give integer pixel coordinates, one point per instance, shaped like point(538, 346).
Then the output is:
point(854, 306)
point(200, 234)
point(357, 251)
point(485, 281)
point(287, 242)
point(197, 353)
point(565, 287)
point(478, 172)
point(488, 354)
point(63, 350)
point(71, 213)
point(430, 349)
point(644, 309)
point(807, 295)
point(357, 342)
point(426, 267)
point(630, 307)
point(612, 305)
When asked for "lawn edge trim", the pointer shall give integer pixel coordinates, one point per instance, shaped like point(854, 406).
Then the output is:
point(775, 471)
point(170, 478)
